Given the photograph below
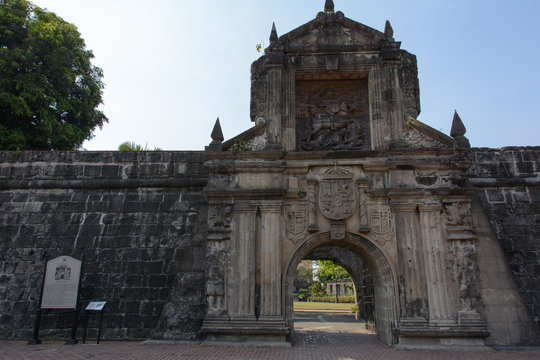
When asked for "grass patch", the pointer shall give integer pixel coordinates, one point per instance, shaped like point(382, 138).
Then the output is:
point(306, 305)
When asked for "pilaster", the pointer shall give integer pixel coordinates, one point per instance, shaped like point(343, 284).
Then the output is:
point(270, 258)
point(241, 294)
point(440, 311)
point(413, 292)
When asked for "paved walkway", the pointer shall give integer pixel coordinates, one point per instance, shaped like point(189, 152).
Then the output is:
point(316, 338)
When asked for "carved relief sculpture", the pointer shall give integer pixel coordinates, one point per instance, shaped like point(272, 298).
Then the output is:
point(217, 258)
point(336, 193)
point(296, 220)
point(381, 222)
point(332, 115)
point(459, 231)
point(458, 221)
point(219, 227)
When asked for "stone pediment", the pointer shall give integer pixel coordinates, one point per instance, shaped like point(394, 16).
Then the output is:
point(418, 135)
point(333, 31)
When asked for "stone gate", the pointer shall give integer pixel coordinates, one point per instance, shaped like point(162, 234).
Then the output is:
point(337, 158)
point(187, 245)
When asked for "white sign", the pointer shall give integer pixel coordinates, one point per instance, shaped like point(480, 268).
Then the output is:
point(61, 283)
point(96, 305)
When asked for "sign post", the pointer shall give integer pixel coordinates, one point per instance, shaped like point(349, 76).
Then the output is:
point(60, 290)
point(35, 339)
point(94, 306)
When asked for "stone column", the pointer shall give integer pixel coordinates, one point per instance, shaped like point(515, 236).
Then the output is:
point(312, 199)
point(378, 125)
point(440, 309)
point(413, 292)
point(270, 258)
point(362, 212)
point(275, 67)
point(241, 294)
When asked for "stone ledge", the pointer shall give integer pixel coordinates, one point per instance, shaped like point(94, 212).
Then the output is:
point(103, 184)
point(504, 182)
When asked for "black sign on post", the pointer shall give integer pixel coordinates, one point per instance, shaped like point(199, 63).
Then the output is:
point(60, 290)
point(94, 306)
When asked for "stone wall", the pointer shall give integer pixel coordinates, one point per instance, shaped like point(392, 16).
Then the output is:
point(139, 218)
point(508, 184)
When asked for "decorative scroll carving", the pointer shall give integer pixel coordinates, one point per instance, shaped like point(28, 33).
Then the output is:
point(332, 115)
point(218, 256)
point(457, 215)
point(337, 230)
point(336, 193)
point(467, 280)
point(458, 221)
point(381, 223)
point(217, 259)
point(296, 220)
point(417, 140)
point(219, 217)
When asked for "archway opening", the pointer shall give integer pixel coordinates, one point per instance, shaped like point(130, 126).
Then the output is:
point(371, 274)
point(333, 292)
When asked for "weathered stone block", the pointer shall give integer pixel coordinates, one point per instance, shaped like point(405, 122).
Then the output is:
point(525, 168)
point(110, 171)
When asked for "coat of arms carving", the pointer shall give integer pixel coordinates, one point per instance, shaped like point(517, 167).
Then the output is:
point(296, 220)
point(336, 194)
point(381, 223)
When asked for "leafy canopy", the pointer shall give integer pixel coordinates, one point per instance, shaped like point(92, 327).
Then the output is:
point(49, 90)
point(328, 271)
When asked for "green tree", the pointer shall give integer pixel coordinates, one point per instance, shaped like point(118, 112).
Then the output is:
point(303, 277)
point(316, 289)
point(328, 271)
point(49, 90)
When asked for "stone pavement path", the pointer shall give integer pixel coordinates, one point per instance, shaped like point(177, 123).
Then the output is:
point(310, 345)
point(319, 337)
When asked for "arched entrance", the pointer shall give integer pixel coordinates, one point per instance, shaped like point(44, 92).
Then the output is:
point(360, 277)
point(384, 281)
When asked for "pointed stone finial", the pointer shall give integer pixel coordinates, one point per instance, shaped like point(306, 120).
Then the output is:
point(329, 6)
point(217, 134)
point(273, 34)
point(388, 31)
point(458, 129)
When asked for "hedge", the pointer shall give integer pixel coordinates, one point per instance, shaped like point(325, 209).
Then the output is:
point(331, 299)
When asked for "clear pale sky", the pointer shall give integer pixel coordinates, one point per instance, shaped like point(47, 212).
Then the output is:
point(171, 67)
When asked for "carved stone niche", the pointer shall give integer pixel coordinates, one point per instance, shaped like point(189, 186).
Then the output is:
point(332, 115)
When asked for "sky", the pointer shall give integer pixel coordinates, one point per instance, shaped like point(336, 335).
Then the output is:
point(171, 67)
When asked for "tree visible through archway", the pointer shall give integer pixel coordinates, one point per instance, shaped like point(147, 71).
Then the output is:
point(326, 297)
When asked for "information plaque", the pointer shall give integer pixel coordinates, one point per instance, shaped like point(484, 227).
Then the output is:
point(96, 306)
point(61, 283)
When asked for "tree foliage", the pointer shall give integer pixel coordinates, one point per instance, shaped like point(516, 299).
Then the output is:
point(132, 146)
point(303, 277)
point(49, 90)
point(328, 271)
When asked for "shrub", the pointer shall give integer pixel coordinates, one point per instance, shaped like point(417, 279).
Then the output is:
point(331, 299)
